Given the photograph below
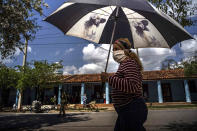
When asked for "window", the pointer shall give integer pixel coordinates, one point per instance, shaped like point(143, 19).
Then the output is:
point(192, 86)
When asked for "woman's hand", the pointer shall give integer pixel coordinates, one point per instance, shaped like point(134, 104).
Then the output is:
point(104, 76)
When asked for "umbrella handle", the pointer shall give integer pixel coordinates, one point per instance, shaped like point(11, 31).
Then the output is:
point(112, 37)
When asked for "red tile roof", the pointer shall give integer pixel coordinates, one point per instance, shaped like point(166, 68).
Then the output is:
point(147, 75)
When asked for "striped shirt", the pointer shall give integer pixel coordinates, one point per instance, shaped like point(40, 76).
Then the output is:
point(126, 83)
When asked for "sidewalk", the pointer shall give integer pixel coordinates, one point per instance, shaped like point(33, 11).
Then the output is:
point(109, 107)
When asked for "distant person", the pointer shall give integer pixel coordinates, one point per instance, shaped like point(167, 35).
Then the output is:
point(84, 99)
point(127, 90)
point(104, 98)
point(64, 102)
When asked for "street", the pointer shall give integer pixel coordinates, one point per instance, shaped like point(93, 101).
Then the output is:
point(169, 119)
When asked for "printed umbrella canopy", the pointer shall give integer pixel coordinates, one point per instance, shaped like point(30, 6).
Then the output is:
point(104, 21)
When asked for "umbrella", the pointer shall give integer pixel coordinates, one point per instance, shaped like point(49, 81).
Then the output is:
point(104, 21)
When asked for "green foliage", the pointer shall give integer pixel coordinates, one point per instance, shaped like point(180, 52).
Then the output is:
point(27, 78)
point(8, 77)
point(180, 10)
point(53, 100)
point(190, 65)
point(17, 22)
point(44, 73)
point(190, 68)
point(39, 75)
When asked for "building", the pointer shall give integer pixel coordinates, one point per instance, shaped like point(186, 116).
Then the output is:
point(158, 86)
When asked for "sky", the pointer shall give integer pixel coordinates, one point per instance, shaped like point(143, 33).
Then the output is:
point(83, 57)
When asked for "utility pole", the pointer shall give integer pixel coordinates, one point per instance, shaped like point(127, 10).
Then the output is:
point(24, 63)
point(137, 52)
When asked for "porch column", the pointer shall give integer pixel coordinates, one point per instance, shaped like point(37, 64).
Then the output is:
point(17, 95)
point(82, 91)
point(59, 94)
point(107, 92)
point(160, 97)
point(187, 92)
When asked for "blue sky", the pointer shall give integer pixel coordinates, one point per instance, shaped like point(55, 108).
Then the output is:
point(80, 56)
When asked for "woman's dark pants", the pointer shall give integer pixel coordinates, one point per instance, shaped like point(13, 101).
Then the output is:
point(132, 116)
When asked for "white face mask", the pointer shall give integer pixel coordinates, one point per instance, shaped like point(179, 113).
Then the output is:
point(119, 55)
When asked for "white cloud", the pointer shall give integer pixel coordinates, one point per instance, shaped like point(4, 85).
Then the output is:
point(152, 57)
point(29, 49)
point(69, 70)
point(189, 46)
point(90, 68)
point(194, 2)
point(96, 58)
point(57, 53)
point(69, 50)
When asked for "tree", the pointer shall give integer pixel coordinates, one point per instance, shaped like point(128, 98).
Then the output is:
point(45, 76)
point(169, 64)
point(190, 68)
point(180, 10)
point(190, 65)
point(25, 80)
point(26, 77)
point(38, 75)
point(8, 79)
point(17, 22)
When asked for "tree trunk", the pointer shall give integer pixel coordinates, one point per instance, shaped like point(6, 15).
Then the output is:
point(19, 101)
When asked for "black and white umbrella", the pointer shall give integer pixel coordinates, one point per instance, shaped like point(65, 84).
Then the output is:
point(104, 21)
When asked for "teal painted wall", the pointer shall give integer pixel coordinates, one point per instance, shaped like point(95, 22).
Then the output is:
point(194, 95)
point(152, 91)
point(177, 90)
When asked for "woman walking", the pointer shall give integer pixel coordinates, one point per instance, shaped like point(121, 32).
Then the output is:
point(127, 90)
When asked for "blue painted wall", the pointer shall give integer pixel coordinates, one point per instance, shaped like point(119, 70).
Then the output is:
point(29, 95)
point(12, 96)
point(194, 95)
point(177, 90)
point(152, 91)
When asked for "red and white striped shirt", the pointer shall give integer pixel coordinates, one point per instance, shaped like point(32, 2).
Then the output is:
point(126, 83)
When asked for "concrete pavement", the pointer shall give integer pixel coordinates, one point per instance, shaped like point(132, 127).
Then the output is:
point(171, 119)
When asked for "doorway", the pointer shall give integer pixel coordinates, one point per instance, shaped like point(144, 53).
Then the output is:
point(166, 92)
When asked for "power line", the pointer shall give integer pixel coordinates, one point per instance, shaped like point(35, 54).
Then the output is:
point(70, 43)
point(167, 54)
point(46, 28)
point(70, 60)
point(50, 34)
point(192, 52)
point(49, 37)
point(76, 43)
